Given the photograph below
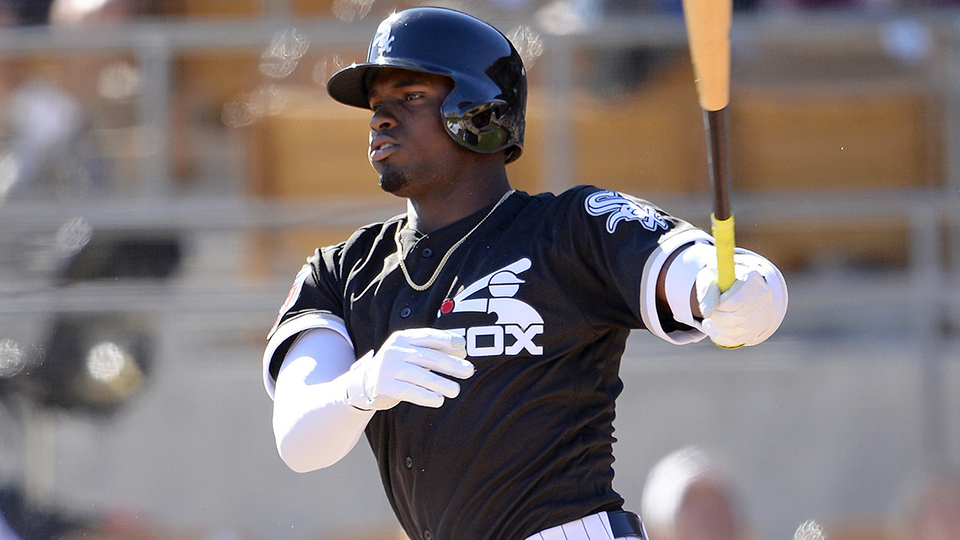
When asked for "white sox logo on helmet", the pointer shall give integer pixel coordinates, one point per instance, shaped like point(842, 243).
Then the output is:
point(621, 209)
point(517, 324)
point(383, 41)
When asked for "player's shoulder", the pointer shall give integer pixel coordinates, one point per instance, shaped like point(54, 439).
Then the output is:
point(569, 197)
point(362, 241)
point(575, 193)
point(370, 234)
point(606, 209)
point(580, 199)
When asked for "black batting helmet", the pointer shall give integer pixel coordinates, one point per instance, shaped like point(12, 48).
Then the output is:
point(485, 110)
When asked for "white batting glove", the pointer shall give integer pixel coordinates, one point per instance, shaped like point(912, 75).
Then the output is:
point(412, 366)
point(751, 310)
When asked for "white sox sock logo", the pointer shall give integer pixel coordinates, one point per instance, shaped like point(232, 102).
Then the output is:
point(518, 323)
point(620, 209)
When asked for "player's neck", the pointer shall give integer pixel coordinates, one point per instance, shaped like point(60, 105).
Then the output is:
point(428, 214)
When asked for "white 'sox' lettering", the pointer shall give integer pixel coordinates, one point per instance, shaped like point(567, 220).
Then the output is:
point(518, 324)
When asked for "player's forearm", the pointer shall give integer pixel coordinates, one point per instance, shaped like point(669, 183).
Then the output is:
point(315, 427)
point(313, 422)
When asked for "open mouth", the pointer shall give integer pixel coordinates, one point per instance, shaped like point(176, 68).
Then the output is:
point(380, 150)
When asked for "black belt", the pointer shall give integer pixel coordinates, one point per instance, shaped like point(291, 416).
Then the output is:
point(624, 523)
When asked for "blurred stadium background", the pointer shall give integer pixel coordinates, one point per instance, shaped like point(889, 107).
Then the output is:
point(166, 166)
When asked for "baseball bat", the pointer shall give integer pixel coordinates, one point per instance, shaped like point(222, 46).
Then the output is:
point(708, 33)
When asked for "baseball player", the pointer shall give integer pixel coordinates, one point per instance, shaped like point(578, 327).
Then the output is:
point(476, 339)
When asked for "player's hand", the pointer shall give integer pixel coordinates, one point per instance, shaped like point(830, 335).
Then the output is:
point(412, 365)
point(750, 311)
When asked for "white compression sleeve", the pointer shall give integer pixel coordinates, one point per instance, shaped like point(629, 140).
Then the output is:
point(313, 423)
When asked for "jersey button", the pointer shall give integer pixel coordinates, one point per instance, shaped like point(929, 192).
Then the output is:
point(405, 312)
point(426, 253)
point(427, 535)
point(409, 462)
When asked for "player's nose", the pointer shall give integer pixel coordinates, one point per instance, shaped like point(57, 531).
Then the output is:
point(382, 119)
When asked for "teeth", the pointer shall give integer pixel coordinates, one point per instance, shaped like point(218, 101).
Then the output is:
point(378, 152)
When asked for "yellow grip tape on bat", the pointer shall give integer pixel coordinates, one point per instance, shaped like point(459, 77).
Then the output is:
point(725, 242)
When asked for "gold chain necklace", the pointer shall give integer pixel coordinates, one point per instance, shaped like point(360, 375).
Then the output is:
point(446, 256)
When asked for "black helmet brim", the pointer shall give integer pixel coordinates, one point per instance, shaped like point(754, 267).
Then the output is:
point(351, 85)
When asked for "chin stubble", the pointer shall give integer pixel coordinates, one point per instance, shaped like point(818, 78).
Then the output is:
point(391, 180)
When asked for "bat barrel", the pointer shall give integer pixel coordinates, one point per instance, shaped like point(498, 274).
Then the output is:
point(708, 31)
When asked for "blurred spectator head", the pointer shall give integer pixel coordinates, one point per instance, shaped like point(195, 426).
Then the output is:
point(687, 496)
point(75, 12)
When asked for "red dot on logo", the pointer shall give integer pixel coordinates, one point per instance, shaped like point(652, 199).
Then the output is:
point(446, 306)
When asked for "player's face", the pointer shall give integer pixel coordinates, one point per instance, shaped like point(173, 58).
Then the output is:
point(409, 147)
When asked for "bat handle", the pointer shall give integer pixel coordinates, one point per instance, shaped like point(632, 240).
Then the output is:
point(724, 238)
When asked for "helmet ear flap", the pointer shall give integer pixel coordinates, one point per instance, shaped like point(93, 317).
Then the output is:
point(482, 119)
point(489, 127)
point(479, 128)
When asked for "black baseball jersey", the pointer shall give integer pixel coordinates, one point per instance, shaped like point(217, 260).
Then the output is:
point(545, 291)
